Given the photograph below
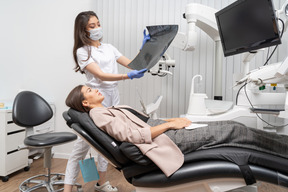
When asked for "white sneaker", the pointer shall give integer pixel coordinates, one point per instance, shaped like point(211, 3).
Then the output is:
point(106, 187)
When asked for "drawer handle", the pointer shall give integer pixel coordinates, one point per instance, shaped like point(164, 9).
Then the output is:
point(14, 132)
point(12, 151)
point(10, 122)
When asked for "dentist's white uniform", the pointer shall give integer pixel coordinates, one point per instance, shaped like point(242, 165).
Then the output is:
point(106, 57)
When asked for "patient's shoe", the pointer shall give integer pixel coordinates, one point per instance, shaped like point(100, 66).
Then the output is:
point(106, 187)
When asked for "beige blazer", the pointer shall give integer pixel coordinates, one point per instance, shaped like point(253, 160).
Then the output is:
point(122, 125)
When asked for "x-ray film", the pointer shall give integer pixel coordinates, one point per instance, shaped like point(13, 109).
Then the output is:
point(161, 37)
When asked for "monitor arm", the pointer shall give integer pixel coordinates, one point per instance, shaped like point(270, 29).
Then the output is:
point(203, 17)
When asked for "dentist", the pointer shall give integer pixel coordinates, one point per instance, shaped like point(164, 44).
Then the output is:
point(99, 62)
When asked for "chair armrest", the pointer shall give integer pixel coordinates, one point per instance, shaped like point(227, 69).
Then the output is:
point(133, 153)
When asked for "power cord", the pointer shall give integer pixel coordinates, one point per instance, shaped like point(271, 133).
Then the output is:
point(245, 84)
point(276, 126)
point(268, 58)
point(239, 92)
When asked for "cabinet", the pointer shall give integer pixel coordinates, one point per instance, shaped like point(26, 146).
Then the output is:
point(11, 136)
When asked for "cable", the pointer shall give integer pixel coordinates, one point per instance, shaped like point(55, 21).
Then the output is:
point(276, 45)
point(271, 55)
point(276, 126)
point(268, 53)
point(283, 26)
point(267, 60)
point(239, 92)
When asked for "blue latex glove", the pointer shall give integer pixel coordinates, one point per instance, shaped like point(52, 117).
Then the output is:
point(145, 38)
point(136, 74)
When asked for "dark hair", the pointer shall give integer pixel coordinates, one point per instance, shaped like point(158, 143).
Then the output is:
point(81, 36)
point(75, 98)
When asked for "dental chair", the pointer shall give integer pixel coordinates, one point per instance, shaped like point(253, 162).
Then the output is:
point(211, 170)
point(29, 110)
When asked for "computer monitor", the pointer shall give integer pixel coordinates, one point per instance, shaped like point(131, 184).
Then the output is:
point(247, 25)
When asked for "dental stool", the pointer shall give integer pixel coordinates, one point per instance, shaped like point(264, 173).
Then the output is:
point(29, 110)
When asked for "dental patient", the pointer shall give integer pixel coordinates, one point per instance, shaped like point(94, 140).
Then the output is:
point(165, 141)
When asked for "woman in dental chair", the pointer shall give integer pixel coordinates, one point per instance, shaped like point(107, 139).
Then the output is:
point(158, 139)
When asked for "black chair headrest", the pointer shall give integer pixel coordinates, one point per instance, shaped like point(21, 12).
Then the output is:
point(106, 141)
point(68, 119)
point(30, 109)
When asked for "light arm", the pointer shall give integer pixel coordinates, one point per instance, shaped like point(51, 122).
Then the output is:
point(201, 16)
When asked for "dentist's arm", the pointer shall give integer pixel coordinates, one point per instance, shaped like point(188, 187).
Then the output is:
point(97, 72)
point(124, 61)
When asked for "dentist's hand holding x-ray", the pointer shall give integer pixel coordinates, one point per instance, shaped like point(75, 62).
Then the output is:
point(140, 73)
point(145, 38)
point(136, 74)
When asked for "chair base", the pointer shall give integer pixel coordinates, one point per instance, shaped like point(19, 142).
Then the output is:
point(55, 184)
point(209, 185)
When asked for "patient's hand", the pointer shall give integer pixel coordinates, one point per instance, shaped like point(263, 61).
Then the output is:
point(175, 123)
point(179, 123)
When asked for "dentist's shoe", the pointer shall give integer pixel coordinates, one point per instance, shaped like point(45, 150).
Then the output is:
point(106, 187)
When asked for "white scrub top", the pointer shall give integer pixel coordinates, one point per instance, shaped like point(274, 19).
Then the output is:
point(105, 56)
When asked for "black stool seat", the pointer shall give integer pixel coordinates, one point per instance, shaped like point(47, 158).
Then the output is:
point(49, 139)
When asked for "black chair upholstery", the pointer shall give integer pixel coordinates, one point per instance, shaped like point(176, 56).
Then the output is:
point(199, 165)
point(29, 110)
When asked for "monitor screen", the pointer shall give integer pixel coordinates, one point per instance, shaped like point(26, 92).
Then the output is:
point(247, 25)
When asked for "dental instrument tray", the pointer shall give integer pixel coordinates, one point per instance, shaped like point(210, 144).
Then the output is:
point(266, 111)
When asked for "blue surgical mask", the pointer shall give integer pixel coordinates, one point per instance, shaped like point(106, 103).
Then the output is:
point(96, 34)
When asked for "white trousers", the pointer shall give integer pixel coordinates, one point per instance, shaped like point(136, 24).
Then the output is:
point(81, 147)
